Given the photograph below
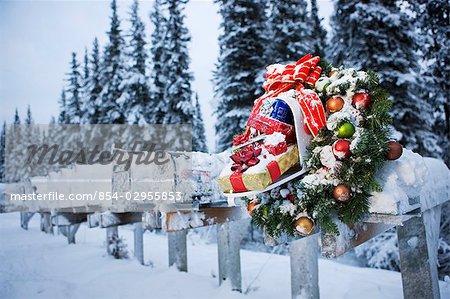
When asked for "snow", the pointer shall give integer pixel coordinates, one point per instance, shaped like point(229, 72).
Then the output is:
point(36, 265)
point(411, 178)
point(274, 139)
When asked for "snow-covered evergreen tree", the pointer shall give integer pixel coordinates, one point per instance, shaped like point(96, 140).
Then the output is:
point(198, 130)
point(433, 39)
point(12, 150)
point(112, 74)
point(318, 34)
point(159, 22)
point(63, 118)
point(93, 88)
point(378, 35)
point(16, 118)
point(135, 95)
point(85, 67)
point(290, 31)
point(2, 152)
point(74, 92)
point(237, 76)
point(176, 72)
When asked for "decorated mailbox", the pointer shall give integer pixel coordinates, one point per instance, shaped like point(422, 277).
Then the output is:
point(272, 149)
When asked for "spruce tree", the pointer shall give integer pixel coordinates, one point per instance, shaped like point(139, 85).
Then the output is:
point(198, 130)
point(378, 35)
point(289, 31)
point(318, 34)
point(86, 66)
point(237, 77)
point(74, 92)
point(111, 109)
point(29, 118)
point(433, 40)
point(92, 112)
point(63, 118)
point(16, 118)
point(157, 105)
point(136, 90)
point(177, 89)
point(2, 152)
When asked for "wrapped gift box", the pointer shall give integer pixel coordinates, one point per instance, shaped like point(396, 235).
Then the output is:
point(261, 175)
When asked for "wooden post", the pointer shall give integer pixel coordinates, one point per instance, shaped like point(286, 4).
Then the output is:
point(229, 237)
point(71, 231)
point(46, 223)
point(112, 232)
point(305, 267)
point(24, 219)
point(178, 249)
point(419, 271)
point(139, 242)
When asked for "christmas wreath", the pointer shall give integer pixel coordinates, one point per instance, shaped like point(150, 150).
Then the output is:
point(350, 142)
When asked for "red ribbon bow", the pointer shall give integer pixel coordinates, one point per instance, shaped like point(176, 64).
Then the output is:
point(245, 158)
point(281, 78)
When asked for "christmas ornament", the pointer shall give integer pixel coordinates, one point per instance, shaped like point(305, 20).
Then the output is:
point(341, 193)
point(284, 192)
point(333, 71)
point(335, 104)
point(304, 225)
point(251, 206)
point(395, 150)
point(361, 100)
point(346, 130)
point(265, 211)
point(341, 149)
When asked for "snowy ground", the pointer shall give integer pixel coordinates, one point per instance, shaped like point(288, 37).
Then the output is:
point(35, 265)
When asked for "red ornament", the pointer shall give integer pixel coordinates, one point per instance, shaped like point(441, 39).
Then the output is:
point(341, 149)
point(361, 100)
point(291, 198)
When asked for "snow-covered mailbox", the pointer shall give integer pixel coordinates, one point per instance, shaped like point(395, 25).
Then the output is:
point(344, 191)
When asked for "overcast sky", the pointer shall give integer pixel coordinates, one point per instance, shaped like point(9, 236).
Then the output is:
point(37, 38)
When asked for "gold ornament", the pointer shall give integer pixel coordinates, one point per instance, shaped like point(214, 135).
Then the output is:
point(335, 104)
point(251, 206)
point(341, 193)
point(304, 225)
point(333, 71)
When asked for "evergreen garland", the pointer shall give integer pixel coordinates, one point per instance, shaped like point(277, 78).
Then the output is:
point(356, 171)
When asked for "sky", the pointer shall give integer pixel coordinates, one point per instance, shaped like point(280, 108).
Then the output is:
point(38, 37)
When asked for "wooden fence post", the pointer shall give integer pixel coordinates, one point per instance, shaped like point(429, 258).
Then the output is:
point(229, 237)
point(139, 242)
point(178, 249)
point(24, 219)
point(418, 269)
point(305, 267)
point(46, 223)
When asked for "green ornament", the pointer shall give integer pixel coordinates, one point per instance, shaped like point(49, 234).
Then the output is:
point(346, 130)
point(265, 211)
